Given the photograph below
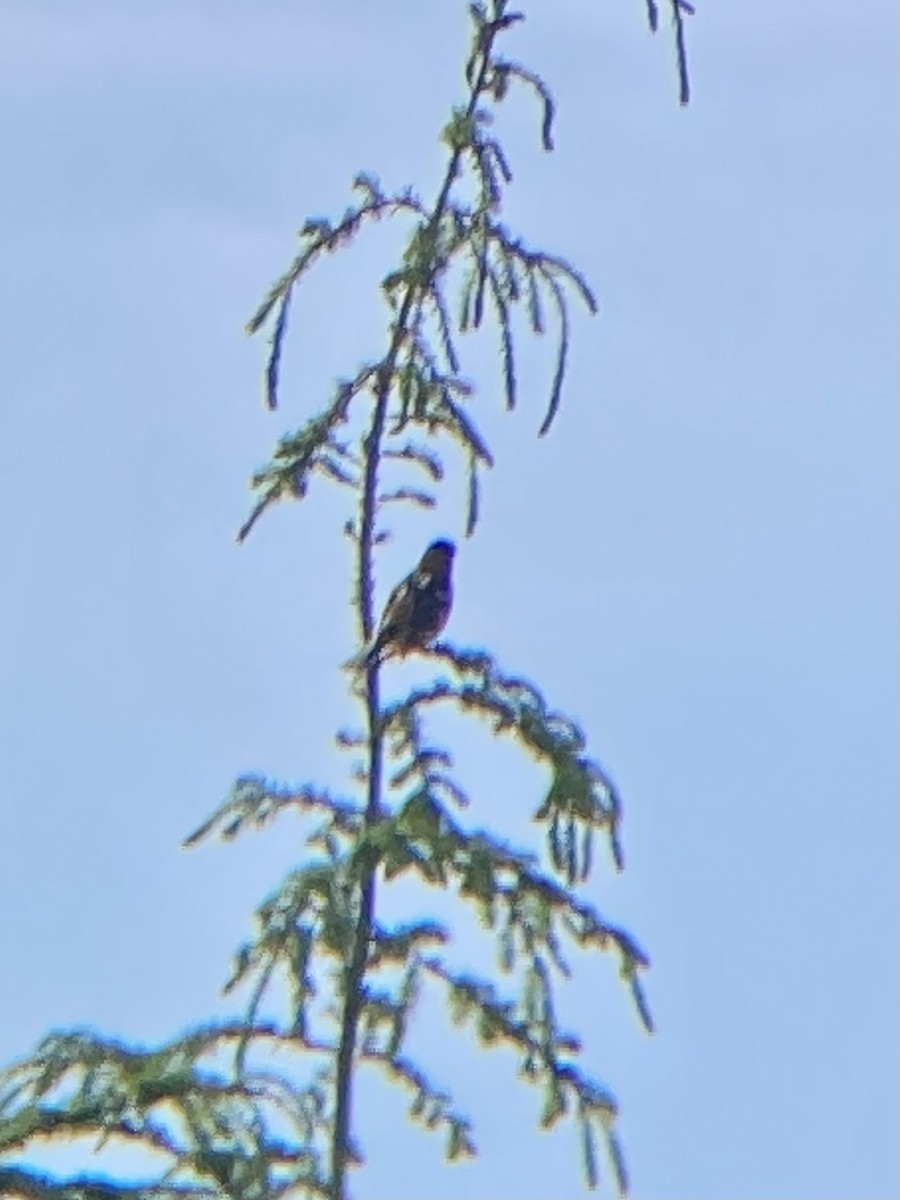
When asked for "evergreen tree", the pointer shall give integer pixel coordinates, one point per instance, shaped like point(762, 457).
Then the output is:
point(263, 1107)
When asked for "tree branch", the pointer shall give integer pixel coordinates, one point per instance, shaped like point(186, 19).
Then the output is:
point(31, 1185)
point(356, 966)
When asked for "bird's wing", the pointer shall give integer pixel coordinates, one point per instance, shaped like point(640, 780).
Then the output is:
point(399, 607)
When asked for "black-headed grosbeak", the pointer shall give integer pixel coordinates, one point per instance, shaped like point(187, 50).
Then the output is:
point(417, 609)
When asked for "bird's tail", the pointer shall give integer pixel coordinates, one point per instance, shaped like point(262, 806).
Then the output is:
point(365, 658)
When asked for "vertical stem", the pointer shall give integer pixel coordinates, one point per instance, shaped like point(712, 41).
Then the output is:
point(354, 978)
point(356, 964)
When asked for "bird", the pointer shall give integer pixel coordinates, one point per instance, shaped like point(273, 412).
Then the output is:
point(417, 609)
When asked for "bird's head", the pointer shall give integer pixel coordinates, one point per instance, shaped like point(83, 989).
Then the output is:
point(438, 556)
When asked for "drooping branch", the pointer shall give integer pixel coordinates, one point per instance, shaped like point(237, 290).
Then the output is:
point(679, 9)
point(320, 236)
point(219, 1134)
point(418, 381)
point(581, 797)
point(29, 1184)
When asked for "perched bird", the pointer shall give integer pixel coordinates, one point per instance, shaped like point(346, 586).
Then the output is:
point(417, 609)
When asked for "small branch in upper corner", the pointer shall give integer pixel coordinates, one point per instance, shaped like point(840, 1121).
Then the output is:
point(680, 9)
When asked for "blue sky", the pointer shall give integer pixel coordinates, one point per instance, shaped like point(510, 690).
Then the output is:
point(699, 563)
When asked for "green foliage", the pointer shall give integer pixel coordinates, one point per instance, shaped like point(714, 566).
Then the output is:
point(214, 1130)
point(261, 1107)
